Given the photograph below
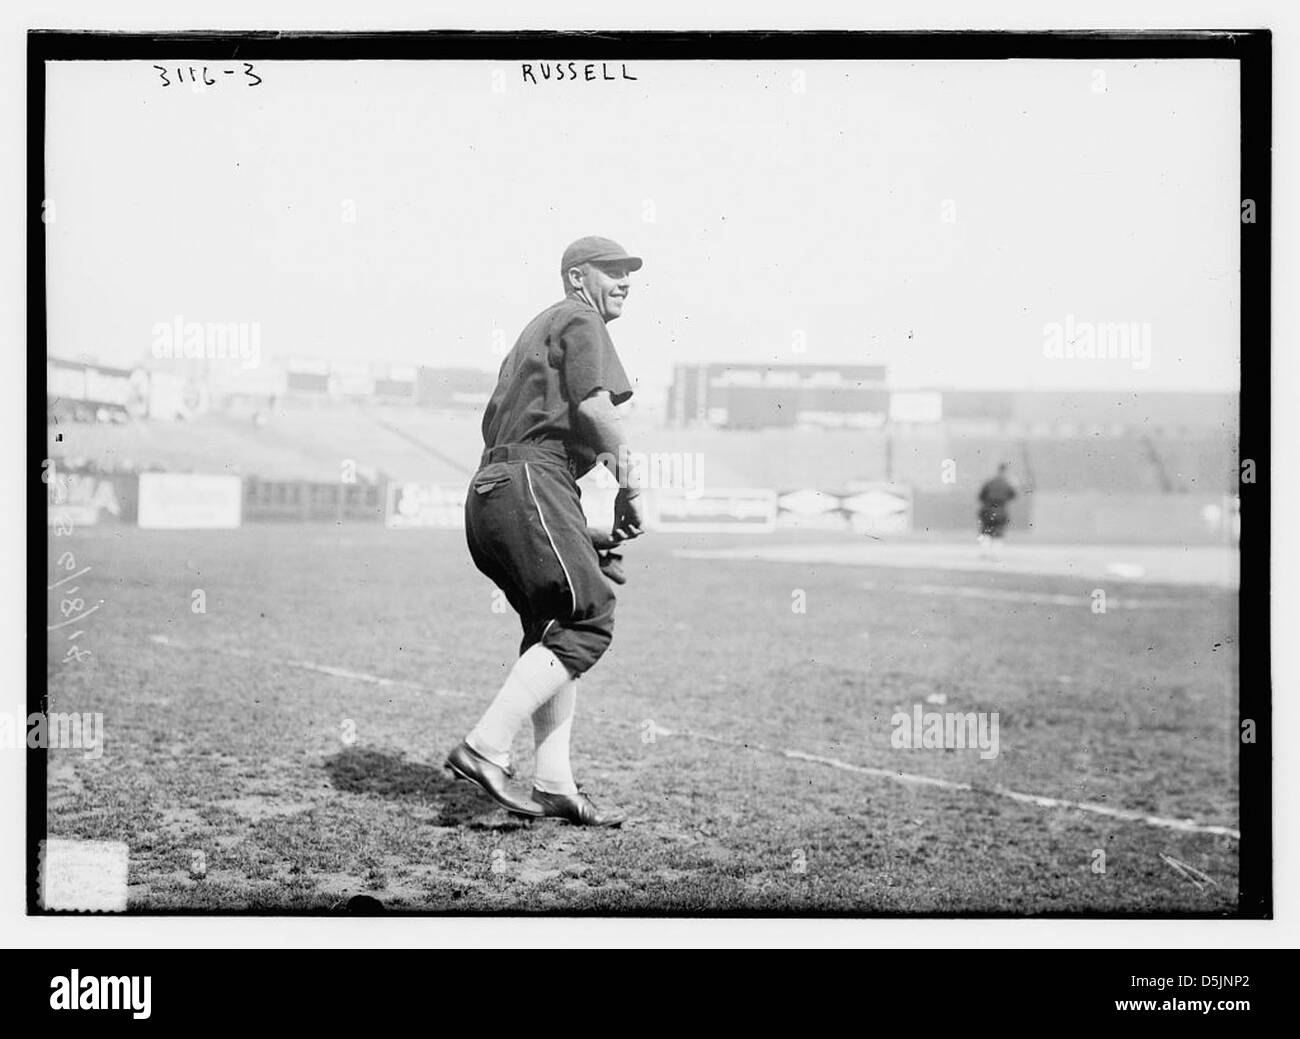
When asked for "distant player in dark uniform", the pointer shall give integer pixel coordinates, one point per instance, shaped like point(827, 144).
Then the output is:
point(994, 496)
point(549, 421)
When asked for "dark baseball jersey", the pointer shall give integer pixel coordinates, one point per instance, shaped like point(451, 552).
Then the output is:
point(994, 496)
point(524, 522)
point(997, 491)
point(563, 355)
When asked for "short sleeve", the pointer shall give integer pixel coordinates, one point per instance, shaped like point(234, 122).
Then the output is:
point(588, 361)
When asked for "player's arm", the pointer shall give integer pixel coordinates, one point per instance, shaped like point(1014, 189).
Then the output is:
point(603, 430)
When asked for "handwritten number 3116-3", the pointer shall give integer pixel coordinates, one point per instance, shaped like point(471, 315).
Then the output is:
point(194, 75)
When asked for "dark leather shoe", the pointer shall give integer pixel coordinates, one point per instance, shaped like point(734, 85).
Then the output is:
point(576, 808)
point(468, 764)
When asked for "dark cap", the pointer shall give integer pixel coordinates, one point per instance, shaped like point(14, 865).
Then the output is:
point(594, 249)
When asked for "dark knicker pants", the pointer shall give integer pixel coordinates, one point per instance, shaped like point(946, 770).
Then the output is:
point(527, 532)
point(993, 519)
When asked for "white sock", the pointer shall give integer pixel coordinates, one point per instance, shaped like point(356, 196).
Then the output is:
point(552, 726)
point(536, 677)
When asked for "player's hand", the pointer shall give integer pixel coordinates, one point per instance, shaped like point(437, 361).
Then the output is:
point(628, 517)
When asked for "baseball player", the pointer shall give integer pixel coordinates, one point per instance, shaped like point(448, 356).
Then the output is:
point(550, 419)
point(994, 495)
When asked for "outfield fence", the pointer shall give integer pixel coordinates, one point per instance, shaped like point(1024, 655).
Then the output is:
point(88, 498)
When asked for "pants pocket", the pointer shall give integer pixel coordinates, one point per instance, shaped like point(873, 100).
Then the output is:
point(490, 478)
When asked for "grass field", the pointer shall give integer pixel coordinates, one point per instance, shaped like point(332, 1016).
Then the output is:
point(283, 749)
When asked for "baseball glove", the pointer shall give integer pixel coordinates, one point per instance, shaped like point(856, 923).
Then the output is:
point(611, 565)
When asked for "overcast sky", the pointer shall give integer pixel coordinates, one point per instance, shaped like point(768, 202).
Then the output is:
point(931, 216)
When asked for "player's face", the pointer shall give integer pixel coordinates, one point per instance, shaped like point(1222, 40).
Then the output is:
point(607, 286)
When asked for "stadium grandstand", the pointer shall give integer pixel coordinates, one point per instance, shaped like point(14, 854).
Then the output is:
point(1137, 466)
